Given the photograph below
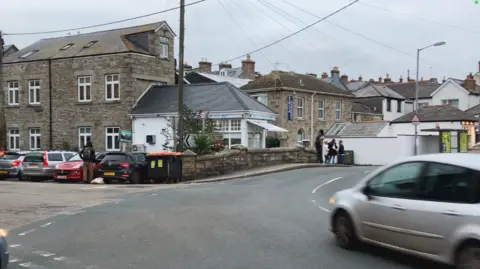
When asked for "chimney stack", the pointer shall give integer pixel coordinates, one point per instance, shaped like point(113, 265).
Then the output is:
point(435, 80)
point(380, 80)
point(324, 75)
point(187, 67)
point(387, 79)
point(248, 66)
point(344, 78)
point(469, 82)
point(335, 73)
point(360, 78)
point(400, 79)
point(224, 66)
point(205, 66)
point(444, 79)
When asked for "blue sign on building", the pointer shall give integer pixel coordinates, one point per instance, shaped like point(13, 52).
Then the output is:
point(290, 107)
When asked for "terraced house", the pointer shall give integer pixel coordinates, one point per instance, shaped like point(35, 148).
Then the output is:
point(305, 104)
point(60, 91)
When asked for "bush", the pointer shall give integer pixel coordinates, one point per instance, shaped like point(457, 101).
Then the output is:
point(272, 142)
point(203, 144)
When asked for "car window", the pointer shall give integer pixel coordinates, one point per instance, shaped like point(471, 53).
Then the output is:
point(140, 157)
point(398, 181)
point(115, 157)
point(35, 157)
point(11, 157)
point(446, 183)
point(68, 155)
point(55, 157)
point(75, 157)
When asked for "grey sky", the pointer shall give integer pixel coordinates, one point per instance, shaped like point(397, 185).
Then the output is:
point(211, 33)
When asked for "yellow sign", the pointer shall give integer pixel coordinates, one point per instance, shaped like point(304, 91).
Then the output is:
point(446, 142)
point(160, 164)
point(463, 142)
point(152, 164)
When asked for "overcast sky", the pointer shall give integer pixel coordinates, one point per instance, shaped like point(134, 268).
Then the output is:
point(213, 34)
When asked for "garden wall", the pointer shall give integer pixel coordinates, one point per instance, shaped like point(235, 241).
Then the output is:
point(240, 158)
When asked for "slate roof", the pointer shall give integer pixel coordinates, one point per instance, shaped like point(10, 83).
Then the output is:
point(107, 42)
point(407, 89)
point(237, 82)
point(462, 83)
point(436, 114)
point(358, 107)
point(335, 81)
point(360, 129)
point(377, 90)
point(231, 72)
point(473, 111)
point(221, 96)
point(356, 85)
point(293, 80)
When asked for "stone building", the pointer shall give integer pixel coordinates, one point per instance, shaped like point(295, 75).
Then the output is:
point(305, 104)
point(60, 91)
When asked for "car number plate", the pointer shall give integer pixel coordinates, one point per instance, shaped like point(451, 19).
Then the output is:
point(33, 165)
point(61, 177)
point(3, 172)
point(109, 174)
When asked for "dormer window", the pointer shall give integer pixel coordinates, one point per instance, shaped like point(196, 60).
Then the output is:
point(66, 46)
point(28, 54)
point(163, 49)
point(89, 44)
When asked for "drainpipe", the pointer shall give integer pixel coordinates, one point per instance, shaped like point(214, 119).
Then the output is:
point(50, 102)
point(312, 118)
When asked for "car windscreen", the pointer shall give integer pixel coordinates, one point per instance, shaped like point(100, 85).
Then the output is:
point(35, 157)
point(75, 157)
point(11, 157)
point(115, 158)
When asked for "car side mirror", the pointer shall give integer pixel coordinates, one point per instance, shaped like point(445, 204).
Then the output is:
point(367, 190)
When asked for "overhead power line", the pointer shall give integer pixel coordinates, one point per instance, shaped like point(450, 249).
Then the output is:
point(104, 24)
point(294, 33)
point(420, 18)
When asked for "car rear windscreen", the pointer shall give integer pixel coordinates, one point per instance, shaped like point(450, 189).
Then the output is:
point(11, 157)
point(115, 158)
point(33, 158)
point(55, 157)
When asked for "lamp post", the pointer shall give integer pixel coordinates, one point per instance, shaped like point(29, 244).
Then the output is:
point(415, 105)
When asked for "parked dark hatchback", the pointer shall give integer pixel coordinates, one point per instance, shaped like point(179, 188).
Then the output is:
point(123, 166)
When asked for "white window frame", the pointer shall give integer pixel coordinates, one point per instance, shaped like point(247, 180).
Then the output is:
point(84, 87)
point(301, 134)
point(338, 110)
point(83, 134)
point(300, 108)
point(13, 139)
point(34, 90)
point(13, 93)
point(164, 46)
point(112, 84)
point(235, 125)
point(321, 108)
point(114, 134)
point(222, 125)
point(28, 54)
point(36, 134)
point(449, 102)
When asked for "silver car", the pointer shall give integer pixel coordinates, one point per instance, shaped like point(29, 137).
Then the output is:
point(425, 205)
point(40, 165)
point(11, 164)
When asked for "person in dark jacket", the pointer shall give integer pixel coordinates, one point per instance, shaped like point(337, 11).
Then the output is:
point(341, 152)
point(88, 156)
point(332, 150)
point(319, 146)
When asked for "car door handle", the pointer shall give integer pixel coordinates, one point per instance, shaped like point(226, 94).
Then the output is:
point(397, 207)
point(452, 213)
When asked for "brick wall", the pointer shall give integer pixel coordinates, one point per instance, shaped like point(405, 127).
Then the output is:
point(194, 167)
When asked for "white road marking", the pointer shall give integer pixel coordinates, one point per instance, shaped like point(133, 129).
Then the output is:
point(366, 172)
point(153, 194)
point(71, 213)
point(323, 208)
point(43, 253)
point(26, 264)
point(46, 224)
point(328, 182)
point(27, 232)
point(15, 245)
point(14, 260)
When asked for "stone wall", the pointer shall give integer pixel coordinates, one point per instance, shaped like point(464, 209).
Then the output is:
point(241, 158)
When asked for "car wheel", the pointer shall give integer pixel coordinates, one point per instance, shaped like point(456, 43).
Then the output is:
point(135, 179)
point(468, 257)
point(3, 178)
point(344, 233)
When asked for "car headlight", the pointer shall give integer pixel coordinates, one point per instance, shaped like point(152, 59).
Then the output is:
point(57, 166)
point(3, 232)
point(332, 200)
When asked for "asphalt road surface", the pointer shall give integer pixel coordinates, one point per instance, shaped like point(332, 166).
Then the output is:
point(273, 221)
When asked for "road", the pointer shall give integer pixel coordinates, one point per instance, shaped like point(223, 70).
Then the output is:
point(272, 221)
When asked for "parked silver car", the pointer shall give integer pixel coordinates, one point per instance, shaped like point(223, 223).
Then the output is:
point(11, 164)
point(40, 165)
point(425, 205)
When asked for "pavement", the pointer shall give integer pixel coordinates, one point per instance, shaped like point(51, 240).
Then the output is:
point(277, 220)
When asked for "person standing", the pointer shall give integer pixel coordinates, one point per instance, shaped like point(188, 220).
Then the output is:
point(88, 156)
point(325, 152)
point(319, 146)
point(332, 151)
point(341, 152)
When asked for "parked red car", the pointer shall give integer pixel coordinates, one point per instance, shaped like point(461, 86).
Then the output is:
point(72, 170)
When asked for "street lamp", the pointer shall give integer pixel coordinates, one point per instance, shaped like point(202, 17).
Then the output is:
point(441, 43)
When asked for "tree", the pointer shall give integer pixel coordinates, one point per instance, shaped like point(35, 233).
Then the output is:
point(192, 124)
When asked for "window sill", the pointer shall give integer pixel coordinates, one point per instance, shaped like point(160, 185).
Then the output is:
point(34, 105)
point(300, 119)
point(321, 119)
point(112, 101)
point(84, 102)
point(12, 106)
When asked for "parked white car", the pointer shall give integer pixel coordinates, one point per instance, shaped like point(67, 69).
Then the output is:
point(425, 205)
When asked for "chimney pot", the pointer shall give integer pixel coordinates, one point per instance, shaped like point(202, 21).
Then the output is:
point(324, 75)
point(360, 78)
point(400, 79)
point(344, 78)
point(380, 79)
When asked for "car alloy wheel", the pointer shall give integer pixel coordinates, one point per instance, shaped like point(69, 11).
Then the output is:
point(344, 235)
point(469, 258)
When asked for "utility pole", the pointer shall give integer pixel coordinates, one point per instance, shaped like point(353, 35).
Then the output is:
point(3, 124)
point(180, 76)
